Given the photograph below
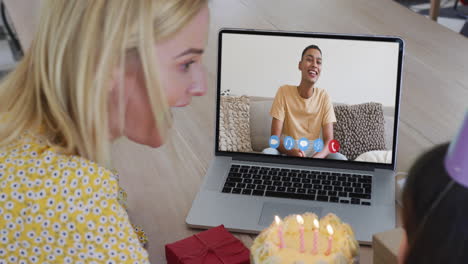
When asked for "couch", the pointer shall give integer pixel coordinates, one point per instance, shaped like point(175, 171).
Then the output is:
point(260, 128)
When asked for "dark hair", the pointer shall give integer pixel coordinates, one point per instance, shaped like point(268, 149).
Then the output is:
point(443, 236)
point(310, 47)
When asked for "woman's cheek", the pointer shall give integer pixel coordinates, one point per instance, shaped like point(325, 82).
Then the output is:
point(177, 94)
point(169, 82)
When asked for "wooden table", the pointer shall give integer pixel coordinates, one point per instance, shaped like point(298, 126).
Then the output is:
point(434, 98)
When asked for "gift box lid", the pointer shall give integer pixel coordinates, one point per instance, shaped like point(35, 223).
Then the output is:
point(215, 245)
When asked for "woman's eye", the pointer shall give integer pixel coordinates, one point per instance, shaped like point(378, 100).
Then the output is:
point(186, 66)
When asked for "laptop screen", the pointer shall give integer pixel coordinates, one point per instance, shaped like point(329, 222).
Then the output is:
point(310, 96)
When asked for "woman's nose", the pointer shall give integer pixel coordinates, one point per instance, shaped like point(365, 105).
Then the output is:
point(199, 87)
point(198, 90)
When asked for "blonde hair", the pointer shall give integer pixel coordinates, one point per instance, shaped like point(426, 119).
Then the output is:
point(63, 81)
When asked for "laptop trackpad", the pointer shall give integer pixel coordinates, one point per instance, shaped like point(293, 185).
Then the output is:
point(270, 209)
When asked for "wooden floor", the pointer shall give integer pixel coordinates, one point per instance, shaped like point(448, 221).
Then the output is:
point(161, 183)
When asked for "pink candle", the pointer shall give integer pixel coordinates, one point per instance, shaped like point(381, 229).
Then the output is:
point(300, 220)
point(330, 238)
point(316, 229)
point(280, 231)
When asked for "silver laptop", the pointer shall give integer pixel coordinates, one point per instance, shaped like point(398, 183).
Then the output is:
point(277, 94)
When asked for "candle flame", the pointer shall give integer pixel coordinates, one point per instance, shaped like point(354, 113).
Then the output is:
point(330, 230)
point(316, 223)
point(299, 219)
point(277, 220)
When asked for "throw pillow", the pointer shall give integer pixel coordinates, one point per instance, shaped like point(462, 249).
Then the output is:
point(359, 128)
point(378, 156)
point(234, 127)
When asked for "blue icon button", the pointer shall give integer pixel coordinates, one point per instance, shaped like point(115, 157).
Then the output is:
point(303, 144)
point(318, 145)
point(289, 143)
point(274, 142)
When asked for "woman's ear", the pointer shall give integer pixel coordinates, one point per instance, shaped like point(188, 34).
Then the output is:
point(402, 253)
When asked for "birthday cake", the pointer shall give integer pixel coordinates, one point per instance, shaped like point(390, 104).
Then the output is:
point(304, 239)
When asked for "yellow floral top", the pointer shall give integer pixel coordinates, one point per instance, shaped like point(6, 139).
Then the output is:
point(61, 209)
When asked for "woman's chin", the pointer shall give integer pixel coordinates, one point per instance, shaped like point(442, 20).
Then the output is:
point(153, 145)
point(154, 142)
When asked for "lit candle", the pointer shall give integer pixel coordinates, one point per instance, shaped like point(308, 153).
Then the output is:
point(280, 231)
point(316, 229)
point(330, 238)
point(300, 220)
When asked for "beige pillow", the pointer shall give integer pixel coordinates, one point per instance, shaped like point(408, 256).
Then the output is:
point(378, 156)
point(260, 123)
point(234, 127)
point(360, 128)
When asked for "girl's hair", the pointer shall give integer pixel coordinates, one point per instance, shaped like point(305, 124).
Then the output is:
point(63, 82)
point(439, 235)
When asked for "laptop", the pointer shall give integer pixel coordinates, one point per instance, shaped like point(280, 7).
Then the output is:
point(275, 156)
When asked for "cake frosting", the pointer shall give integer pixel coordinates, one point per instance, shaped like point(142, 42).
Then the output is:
point(266, 247)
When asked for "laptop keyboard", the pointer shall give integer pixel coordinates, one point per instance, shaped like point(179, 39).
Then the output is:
point(311, 185)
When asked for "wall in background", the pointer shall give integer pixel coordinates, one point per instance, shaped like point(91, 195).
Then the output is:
point(352, 72)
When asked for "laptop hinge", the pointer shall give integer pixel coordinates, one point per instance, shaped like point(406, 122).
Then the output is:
point(328, 164)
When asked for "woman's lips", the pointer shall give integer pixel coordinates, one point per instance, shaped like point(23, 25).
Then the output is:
point(313, 74)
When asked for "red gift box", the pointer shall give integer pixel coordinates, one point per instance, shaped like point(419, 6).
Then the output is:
point(212, 246)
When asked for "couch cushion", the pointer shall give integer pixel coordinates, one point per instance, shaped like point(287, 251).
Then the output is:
point(360, 128)
point(378, 156)
point(234, 127)
point(260, 123)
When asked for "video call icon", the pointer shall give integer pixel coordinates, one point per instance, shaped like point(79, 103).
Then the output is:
point(303, 144)
point(318, 145)
point(289, 143)
point(334, 146)
point(274, 142)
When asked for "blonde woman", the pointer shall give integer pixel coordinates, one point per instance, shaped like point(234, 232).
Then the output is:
point(96, 71)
